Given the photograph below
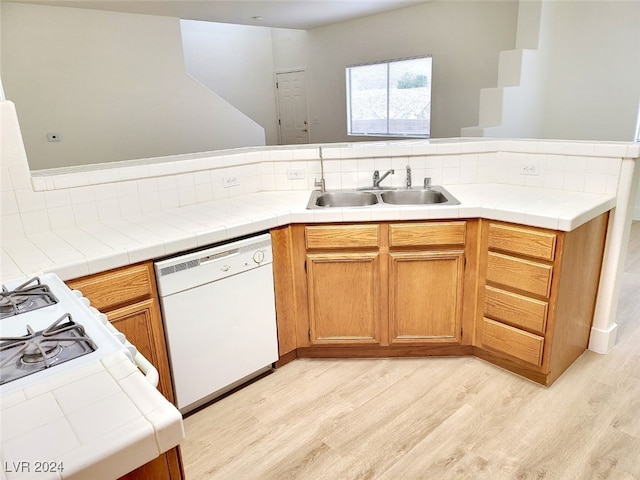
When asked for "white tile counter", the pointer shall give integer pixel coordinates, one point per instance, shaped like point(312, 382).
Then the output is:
point(85, 249)
point(95, 422)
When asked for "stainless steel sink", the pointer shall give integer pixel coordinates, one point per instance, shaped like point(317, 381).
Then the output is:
point(414, 197)
point(435, 195)
point(343, 199)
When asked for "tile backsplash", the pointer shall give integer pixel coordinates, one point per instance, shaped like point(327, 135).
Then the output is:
point(55, 199)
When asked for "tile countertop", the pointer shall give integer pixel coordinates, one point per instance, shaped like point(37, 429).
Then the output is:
point(99, 421)
point(91, 248)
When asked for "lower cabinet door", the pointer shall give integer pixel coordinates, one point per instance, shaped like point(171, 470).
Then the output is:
point(425, 296)
point(165, 467)
point(344, 297)
point(141, 323)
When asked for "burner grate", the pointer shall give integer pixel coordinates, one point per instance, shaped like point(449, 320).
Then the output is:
point(27, 297)
point(60, 342)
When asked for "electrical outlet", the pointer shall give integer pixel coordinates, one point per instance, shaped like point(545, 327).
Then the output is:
point(529, 169)
point(232, 181)
point(54, 137)
point(295, 173)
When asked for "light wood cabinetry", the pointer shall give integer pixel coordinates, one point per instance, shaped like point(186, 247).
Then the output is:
point(128, 297)
point(330, 237)
point(374, 288)
point(537, 292)
point(426, 280)
point(342, 270)
point(427, 234)
point(344, 297)
point(520, 297)
point(425, 291)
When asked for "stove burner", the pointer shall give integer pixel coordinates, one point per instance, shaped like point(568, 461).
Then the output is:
point(10, 301)
point(29, 296)
point(60, 342)
point(36, 352)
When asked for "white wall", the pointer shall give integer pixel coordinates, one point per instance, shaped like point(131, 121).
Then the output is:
point(236, 62)
point(290, 48)
point(112, 85)
point(590, 56)
point(464, 38)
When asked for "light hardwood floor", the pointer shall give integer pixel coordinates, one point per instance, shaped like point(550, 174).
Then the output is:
point(433, 418)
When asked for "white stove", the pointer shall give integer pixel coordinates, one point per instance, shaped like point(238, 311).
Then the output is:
point(47, 329)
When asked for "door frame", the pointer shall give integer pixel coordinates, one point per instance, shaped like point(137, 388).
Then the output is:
point(306, 99)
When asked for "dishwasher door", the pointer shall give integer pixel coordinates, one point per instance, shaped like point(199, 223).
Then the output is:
point(220, 333)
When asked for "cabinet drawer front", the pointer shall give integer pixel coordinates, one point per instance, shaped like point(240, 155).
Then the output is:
point(115, 288)
point(426, 234)
point(522, 241)
point(342, 236)
point(512, 341)
point(516, 309)
point(521, 274)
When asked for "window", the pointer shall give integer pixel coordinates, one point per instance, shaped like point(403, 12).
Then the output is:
point(390, 98)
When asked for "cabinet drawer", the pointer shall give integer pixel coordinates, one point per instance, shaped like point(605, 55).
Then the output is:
point(512, 341)
point(515, 309)
point(518, 273)
point(426, 234)
point(116, 287)
point(342, 236)
point(533, 243)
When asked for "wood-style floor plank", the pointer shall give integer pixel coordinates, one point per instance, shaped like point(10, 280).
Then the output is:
point(431, 418)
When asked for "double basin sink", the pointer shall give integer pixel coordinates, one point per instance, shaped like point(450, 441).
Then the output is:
point(435, 195)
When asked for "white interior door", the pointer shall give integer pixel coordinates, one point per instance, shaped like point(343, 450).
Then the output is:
point(292, 107)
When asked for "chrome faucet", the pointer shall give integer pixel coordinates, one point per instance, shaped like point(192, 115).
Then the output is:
point(408, 177)
point(427, 183)
point(377, 178)
point(320, 183)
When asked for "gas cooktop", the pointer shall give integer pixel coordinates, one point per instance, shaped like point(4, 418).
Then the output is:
point(47, 329)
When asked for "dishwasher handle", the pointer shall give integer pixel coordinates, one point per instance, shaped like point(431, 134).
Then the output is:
point(218, 256)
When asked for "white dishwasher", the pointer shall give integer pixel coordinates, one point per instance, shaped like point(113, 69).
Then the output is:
point(219, 314)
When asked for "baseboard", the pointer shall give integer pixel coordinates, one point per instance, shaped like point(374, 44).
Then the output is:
point(602, 341)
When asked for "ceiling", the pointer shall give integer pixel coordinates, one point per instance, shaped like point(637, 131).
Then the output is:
point(298, 14)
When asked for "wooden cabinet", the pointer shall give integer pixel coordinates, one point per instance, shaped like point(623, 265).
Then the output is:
point(342, 265)
point(537, 294)
point(520, 266)
point(344, 297)
point(426, 269)
point(425, 296)
point(164, 467)
point(377, 287)
point(520, 297)
point(128, 297)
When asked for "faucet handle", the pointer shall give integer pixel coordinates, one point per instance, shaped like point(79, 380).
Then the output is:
point(427, 183)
